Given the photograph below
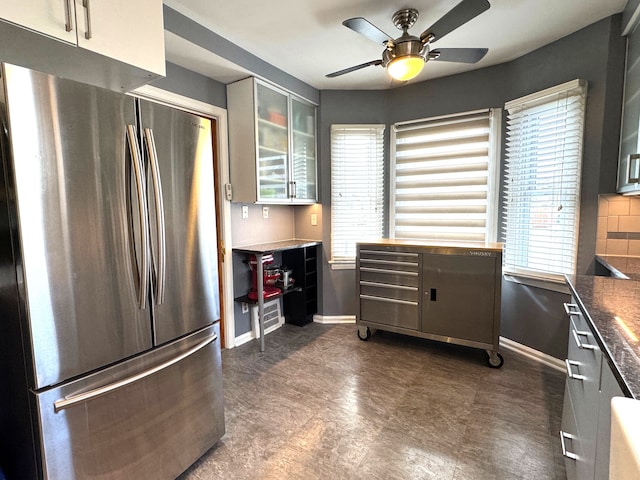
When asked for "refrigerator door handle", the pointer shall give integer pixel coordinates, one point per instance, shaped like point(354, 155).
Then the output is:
point(143, 276)
point(77, 398)
point(160, 263)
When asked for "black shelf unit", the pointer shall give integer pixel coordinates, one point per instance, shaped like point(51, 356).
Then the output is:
point(300, 306)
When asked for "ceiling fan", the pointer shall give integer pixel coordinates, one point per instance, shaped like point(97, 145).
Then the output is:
point(405, 56)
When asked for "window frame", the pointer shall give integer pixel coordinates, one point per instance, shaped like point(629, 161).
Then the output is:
point(340, 262)
point(493, 168)
point(511, 267)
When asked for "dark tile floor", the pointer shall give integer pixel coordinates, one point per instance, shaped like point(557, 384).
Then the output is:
point(321, 404)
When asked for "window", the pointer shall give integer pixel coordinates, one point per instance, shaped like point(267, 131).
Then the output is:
point(542, 181)
point(444, 177)
point(357, 188)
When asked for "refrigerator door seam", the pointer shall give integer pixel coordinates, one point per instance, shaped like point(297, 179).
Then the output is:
point(72, 400)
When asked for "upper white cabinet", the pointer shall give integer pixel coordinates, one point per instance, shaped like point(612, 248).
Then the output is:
point(272, 144)
point(629, 162)
point(131, 32)
point(55, 18)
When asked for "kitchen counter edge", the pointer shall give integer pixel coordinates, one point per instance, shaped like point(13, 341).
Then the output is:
point(607, 302)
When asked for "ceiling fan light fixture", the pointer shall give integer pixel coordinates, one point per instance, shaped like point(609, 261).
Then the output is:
point(405, 67)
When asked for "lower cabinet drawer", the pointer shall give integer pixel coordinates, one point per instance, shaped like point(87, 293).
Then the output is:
point(577, 465)
point(583, 379)
point(387, 311)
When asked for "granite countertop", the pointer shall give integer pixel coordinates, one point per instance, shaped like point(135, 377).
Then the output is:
point(612, 306)
point(277, 246)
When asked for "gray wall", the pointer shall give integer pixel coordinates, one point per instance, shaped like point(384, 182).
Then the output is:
point(192, 85)
point(531, 316)
point(337, 106)
point(197, 34)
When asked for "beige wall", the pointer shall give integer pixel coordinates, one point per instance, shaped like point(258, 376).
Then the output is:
point(303, 228)
point(284, 223)
point(618, 225)
point(256, 229)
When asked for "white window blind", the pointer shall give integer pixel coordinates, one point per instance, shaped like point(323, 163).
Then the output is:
point(357, 188)
point(542, 181)
point(444, 177)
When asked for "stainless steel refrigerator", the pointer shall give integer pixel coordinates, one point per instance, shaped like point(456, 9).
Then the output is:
point(109, 306)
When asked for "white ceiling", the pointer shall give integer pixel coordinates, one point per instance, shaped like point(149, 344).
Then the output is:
point(306, 38)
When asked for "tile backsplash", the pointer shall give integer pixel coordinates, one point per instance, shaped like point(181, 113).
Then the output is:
point(618, 225)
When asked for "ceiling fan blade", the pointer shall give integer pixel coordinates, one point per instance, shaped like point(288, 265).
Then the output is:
point(353, 69)
point(368, 29)
point(460, 55)
point(459, 15)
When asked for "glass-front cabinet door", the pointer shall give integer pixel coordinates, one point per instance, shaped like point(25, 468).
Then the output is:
point(273, 144)
point(303, 153)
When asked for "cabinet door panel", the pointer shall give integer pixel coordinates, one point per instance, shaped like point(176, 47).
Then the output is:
point(303, 158)
point(630, 115)
point(609, 388)
point(458, 296)
point(273, 144)
point(48, 17)
point(132, 32)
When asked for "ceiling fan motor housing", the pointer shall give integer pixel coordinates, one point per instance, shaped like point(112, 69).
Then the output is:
point(404, 46)
point(407, 54)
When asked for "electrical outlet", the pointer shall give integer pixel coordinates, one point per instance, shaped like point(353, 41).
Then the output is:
point(314, 219)
point(245, 307)
point(265, 212)
point(245, 211)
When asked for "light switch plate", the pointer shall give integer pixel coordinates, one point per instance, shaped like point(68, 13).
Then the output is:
point(245, 211)
point(314, 219)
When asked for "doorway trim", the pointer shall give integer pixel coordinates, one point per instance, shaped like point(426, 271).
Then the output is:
point(220, 115)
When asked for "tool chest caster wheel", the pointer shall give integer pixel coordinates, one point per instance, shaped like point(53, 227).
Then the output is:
point(495, 359)
point(364, 333)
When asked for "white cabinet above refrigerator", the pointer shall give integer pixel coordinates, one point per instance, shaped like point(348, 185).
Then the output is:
point(117, 44)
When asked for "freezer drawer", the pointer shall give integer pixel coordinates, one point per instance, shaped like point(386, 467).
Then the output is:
point(153, 427)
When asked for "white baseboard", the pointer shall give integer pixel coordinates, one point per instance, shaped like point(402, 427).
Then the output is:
point(334, 319)
point(533, 354)
point(244, 338)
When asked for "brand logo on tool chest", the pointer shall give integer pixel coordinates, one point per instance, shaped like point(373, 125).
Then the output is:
point(480, 253)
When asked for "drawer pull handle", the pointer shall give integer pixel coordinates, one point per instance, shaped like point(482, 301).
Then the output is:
point(390, 272)
point(570, 374)
point(388, 300)
point(566, 453)
point(388, 262)
point(388, 285)
point(72, 400)
point(568, 308)
point(383, 252)
point(579, 343)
